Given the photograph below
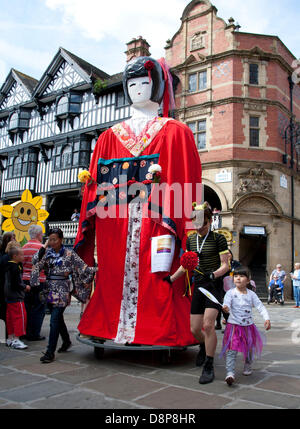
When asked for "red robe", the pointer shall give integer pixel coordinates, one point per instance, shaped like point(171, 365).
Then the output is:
point(160, 312)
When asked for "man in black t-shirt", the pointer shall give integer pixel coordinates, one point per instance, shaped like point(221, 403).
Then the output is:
point(213, 255)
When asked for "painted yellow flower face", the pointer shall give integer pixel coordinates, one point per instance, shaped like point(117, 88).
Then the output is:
point(22, 214)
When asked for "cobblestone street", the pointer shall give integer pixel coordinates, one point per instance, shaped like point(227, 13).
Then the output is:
point(135, 380)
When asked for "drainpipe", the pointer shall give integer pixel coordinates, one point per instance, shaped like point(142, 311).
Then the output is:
point(291, 85)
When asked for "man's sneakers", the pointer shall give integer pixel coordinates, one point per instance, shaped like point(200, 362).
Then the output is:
point(47, 358)
point(247, 369)
point(64, 347)
point(230, 378)
point(208, 374)
point(201, 356)
point(16, 344)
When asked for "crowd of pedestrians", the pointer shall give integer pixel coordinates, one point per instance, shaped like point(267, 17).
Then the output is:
point(44, 275)
point(34, 277)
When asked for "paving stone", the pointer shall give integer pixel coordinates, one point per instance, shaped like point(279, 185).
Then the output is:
point(180, 398)
point(123, 386)
point(4, 371)
point(13, 406)
point(41, 390)
point(81, 399)
point(17, 359)
point(7, 354)
point(280, 356)
point(189, 381)
point(290, 367)
point(251, 380)
point(82, 375)
point(244, 405)
point(17, 379)
point(282, 384)
point(269, 398)
point(34, 366)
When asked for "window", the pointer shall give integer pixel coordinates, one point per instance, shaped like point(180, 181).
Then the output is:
point(199, 130)
point(74, 154)
point(14, 121)
point(17, 167)
point(253, 70)
point(120, 99)
point(62, 106)
point(31, 163)
point(202, 80)
point(19, 121)
point(254, 131)
point(66, 157)
point(198, 81)
point(68, 107)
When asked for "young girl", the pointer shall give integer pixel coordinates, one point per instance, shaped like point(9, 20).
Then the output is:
point(241, 334)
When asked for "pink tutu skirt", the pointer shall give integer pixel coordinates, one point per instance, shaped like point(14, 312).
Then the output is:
point(245, 339)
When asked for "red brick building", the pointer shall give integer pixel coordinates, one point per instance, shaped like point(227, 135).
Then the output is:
point(237, 94)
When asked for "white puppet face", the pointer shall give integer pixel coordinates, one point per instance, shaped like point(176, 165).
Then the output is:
point(140, 90)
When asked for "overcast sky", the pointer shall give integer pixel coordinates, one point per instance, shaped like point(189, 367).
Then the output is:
point(31, 31)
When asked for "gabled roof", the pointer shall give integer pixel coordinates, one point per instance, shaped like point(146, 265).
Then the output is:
point(27, 83)
point(91, 70)
point(85, 70)
point(115, 79)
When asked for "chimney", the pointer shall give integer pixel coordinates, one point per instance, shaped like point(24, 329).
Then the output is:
point(137, 48)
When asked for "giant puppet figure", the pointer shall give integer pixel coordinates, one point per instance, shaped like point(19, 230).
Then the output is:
point(132, 304)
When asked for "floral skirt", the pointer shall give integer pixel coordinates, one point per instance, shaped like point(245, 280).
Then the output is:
point(245, 339)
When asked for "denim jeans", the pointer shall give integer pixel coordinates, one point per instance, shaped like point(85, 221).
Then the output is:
point(297, 295)
point(35, 311)
point(57, 327)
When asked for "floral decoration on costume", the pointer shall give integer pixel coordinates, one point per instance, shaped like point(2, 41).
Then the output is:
point(155, 170)
point(137, 144)
point(85, 177)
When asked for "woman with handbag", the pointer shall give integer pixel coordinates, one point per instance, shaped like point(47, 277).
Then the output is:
point(59, 264)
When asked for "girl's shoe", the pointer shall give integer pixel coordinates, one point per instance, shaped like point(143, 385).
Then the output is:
point(8, 342)
point(19, 345)
point(247, 369)
point(230, 378)
point(47, 358)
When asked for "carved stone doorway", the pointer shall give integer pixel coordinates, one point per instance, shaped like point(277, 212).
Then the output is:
point(253, 254)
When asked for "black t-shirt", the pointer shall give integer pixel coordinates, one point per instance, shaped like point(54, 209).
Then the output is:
point(209, 260)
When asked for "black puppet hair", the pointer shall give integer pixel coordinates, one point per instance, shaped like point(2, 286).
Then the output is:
point(143, 66)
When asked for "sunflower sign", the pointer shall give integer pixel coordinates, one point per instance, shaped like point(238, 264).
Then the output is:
point(22, 214)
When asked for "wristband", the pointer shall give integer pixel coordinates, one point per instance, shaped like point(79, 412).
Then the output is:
point(168, 279)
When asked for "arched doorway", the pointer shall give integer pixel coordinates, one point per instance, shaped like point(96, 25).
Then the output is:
point(212, 198)
point(254, 217)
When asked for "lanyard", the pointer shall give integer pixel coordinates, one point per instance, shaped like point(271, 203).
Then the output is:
point(203, 242)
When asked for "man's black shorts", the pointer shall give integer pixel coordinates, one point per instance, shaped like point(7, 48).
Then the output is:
point(200, 302)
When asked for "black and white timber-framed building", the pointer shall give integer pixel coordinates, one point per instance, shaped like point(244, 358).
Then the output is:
point(49, 128)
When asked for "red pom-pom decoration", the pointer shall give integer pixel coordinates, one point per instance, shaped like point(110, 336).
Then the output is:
point(149, 65)
point(189, 261)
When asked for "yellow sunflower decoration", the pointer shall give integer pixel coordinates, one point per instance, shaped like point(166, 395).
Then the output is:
point(22, 214)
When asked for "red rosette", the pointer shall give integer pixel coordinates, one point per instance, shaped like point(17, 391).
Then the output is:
point(189, 261)
point(149, 65)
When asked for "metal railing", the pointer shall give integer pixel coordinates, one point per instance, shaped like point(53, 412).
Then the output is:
point(69, 229)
